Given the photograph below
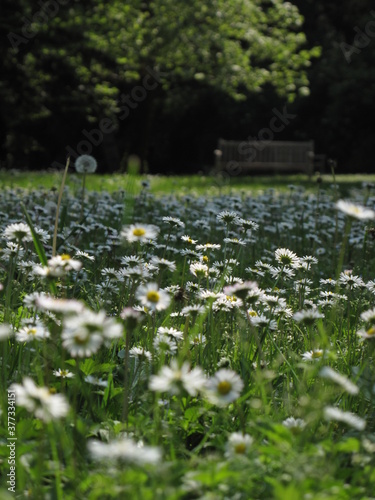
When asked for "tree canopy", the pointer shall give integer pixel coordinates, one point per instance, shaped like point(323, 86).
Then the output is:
point(138, 76)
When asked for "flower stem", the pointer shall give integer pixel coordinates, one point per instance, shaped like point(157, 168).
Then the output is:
point(54, 243)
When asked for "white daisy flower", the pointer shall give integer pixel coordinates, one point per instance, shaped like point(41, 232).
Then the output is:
point(208, 246)
point(224, 387)
point(328, 281)
point(5, 332)
point(208, 295)
point(84, 334)
point(226, 303)
point(90, 379)
point(282, 272)
point(173, 221)
point(333, 413)
point(81, 343)
point(163, 263)
point(344, 382)
point(132, 261)
point(86, 255)
point(174, 379)
point(242, 290)
point(198, 339)
point(309, 259)
point(63, 373)
point(235, 241)
point(17, 232)
point(139, 353)
point(95, 322)
point(32, 332)
point(367, 334)
point(189, 240)
point(139, 232)
point(368, 316)
point(176, 334)
point(47, 303)
point(13, 249)
point(308, 317)
point(287, 258)
point(65, 263)
point(238, 444)
point(247, 224)
point(228, 217)
point(262, 321)
point(40, 401)
point(193, 310)
point(125, 449)
point(165, 343)
point(58, 266)
point(351, 281)
point(355, 211)
point(199, 270)
point(294, 423)
point(314, 355)
point(153, 297)
point(30, 299)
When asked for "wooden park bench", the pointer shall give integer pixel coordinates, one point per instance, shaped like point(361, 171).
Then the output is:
point(239, 157)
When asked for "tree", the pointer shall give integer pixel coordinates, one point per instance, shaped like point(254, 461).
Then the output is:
point(339, 111)
point(105, 60)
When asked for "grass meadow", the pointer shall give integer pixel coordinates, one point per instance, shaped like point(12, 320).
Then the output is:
point(187, 338)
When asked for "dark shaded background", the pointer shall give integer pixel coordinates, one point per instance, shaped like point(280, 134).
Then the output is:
point(42, 113)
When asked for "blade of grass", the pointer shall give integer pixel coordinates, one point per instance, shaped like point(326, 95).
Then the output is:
point(54, 244)
point(38, 246)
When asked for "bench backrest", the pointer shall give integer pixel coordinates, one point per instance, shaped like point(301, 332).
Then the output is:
point(278, 155)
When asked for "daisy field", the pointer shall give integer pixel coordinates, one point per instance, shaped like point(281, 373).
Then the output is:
point(183, 346)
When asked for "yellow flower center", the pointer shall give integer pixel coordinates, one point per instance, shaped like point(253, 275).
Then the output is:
point(224, 387)
point(205, 258)
point(190, 240)
point(240, 448)
point(31, 331)
point(65, 256)
point(284, 259)
point(317, 354)
point(231, 298)
point(253, 314)
point(153, 296)
point(371, 331)
point(139, 231)
point(81, 338)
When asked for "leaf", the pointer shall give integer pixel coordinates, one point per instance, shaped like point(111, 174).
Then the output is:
point(108, 390)
point(350, 445)
point(38, 247)
point(37, 243)
point(88, 366)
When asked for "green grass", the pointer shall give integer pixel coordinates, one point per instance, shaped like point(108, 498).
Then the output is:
point(193, 184)
point(296, 439)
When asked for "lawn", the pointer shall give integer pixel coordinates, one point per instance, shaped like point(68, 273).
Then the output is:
point(194, 184)
point(187, 340)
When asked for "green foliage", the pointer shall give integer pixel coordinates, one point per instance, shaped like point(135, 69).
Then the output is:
point(80, 60)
